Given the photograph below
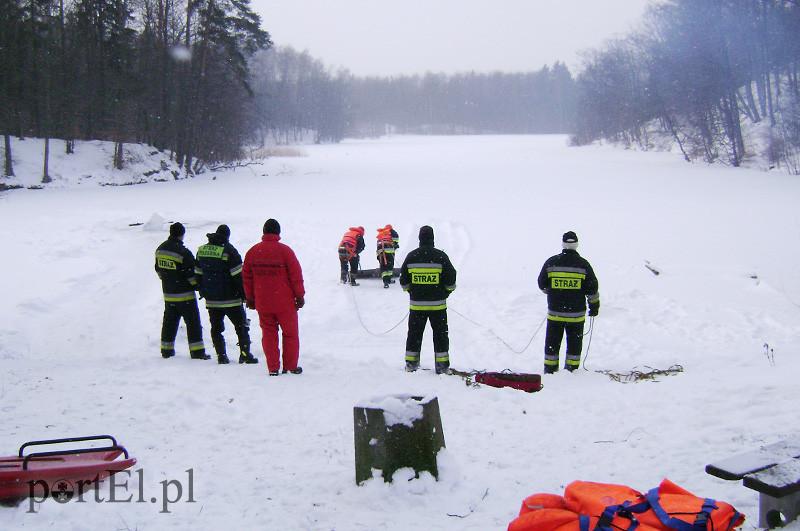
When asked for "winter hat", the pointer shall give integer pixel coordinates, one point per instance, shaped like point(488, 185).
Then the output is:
point(360, 230)
point(177, 230)
point(426, 234)
point(223, 233)
point(569, 240)
point(271, 226)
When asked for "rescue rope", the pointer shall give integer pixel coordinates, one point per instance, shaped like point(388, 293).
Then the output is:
point(589, 345)
point(636, 375)
point(503, 341)
point(360, 320)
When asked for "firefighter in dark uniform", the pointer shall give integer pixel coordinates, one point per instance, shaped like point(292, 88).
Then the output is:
point(388, 243)
point(349, 248)
point(430, 278)
point(219, 268)
point(569, 282)
point(175, 267)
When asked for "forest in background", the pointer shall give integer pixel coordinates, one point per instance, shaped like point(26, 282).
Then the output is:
point(721, 78)
point(170, 74)
point(297, 94)
point(201, 80)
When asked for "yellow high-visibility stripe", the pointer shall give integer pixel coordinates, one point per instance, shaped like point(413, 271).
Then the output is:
point(425, 270)
point(223, 304)
point(169, 255)
point(562, 274)
point(428, 308)
point(179, 297)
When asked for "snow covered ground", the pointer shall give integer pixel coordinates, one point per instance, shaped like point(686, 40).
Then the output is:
point(79, 335)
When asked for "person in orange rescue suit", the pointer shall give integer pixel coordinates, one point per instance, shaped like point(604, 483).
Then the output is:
point(175, 267)
point(569, 283)
point(388, 243)
point(273, 285)
point(349, 248)
point(429, 278)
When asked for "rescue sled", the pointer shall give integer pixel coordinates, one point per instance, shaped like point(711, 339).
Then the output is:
point(374, 273)
point(41, 473)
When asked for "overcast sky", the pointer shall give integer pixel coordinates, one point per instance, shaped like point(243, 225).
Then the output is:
point(390, 37)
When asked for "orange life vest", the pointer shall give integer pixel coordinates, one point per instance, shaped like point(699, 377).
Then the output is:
point(588, 506)
point(384, 236)
point(349, 241)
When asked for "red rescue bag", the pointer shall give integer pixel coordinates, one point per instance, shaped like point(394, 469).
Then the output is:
point(530, 383)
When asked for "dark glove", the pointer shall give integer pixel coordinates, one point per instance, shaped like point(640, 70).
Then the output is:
point(594, 309)
point(299, 302)
point(251, 304)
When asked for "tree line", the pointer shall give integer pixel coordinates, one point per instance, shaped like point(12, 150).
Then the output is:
point(171, 74)
point(298, 97)
point(201, 80)
point(704, 73)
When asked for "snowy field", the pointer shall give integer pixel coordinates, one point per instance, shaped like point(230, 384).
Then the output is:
point(79, 335)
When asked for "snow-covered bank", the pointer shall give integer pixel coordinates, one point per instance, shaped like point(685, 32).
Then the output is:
point(82, 310)
point(91, 164)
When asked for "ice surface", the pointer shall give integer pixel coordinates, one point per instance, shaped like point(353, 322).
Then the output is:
point(82, 307)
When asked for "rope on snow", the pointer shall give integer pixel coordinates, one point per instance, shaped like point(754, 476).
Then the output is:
point(503, 341)
point(360, 320)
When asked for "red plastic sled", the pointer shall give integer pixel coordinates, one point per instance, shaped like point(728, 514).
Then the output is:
point(48, 472)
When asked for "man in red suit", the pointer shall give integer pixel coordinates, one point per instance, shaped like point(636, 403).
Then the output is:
point(273, 285)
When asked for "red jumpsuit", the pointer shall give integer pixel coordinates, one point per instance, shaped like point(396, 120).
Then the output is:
point(273, 280)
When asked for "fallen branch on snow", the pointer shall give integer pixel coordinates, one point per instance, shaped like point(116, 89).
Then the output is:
point(235, 165)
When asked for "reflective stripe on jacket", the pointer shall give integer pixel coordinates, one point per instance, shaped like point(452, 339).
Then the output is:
point(219, 268)
point(429, 278)
point(174, 265)
point(569, 282)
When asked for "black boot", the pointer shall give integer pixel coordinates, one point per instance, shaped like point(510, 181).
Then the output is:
point(222, 359)
point(246, 357)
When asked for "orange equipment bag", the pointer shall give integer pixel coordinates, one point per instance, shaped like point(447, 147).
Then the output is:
point(588, 506)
